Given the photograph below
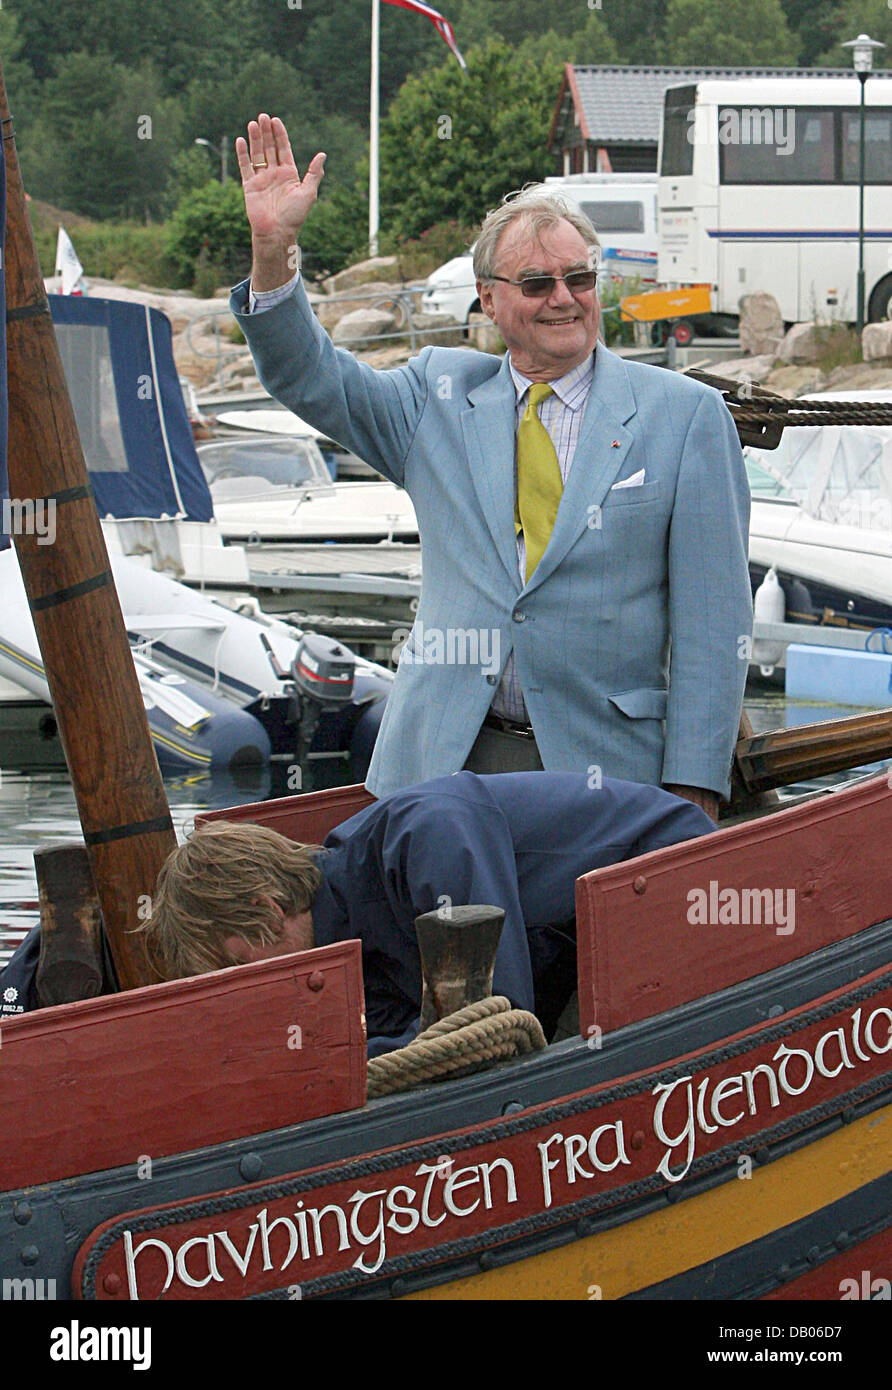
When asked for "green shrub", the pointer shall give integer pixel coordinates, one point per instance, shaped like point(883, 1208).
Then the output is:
point(418, 256)
point(106, 249)
point(335, 234)
point(212, 217)
point(616, 333)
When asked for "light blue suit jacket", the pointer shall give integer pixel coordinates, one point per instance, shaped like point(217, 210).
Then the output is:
point(626, 572)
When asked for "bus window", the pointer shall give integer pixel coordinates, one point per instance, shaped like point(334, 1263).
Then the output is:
point(756, 145)
point(615, 217)
point(877, 146)
point(678, 125)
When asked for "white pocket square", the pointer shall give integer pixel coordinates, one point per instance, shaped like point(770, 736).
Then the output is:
point(635, 481)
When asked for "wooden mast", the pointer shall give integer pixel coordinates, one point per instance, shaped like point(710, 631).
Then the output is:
point(92, 679)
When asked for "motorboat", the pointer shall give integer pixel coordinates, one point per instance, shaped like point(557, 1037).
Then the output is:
point(277, 488)
point(152, 489)
point(217, 685)
point(264, 415)
point(822, 518)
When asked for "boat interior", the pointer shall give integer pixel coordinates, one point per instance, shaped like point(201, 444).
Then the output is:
point(654, 983)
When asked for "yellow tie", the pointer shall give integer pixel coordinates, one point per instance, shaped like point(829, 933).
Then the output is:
point(539, 482)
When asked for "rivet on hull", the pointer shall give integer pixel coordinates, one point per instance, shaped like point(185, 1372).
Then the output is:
point(250, 1166)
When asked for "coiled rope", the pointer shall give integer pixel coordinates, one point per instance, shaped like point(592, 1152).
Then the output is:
point(470, 1040)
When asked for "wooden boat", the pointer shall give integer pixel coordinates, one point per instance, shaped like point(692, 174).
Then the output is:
point(721, 1127)
point(720, 1124)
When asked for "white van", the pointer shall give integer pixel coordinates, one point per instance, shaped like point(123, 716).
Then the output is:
point(623, 210)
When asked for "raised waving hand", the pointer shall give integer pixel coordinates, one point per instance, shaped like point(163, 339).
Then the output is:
point(277, 200)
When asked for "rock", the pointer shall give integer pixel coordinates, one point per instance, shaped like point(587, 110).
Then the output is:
point(363, 273)
point(392, 356)
point(795, 381)
point(876, 341)
point(801, 344)
point(761, 324)
point(483, 334)
point(861, 376)
point(752, 369)
point(437, 330)
point(359, 328)
point(330, 311)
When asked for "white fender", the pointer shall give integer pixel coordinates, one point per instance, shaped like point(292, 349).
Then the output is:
point(769, 606)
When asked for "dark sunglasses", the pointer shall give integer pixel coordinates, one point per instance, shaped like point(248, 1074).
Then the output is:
point(538, 286)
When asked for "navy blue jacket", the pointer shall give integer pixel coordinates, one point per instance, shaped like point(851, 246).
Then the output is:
point(18, 982)
point(517, 840)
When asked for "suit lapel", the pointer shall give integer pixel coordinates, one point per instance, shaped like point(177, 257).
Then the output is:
point(604, 441)
point(489, 434)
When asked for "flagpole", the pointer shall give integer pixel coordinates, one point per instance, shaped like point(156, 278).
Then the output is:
point(373, 136)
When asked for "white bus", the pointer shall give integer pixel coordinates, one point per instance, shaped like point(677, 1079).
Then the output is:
point(758, 190)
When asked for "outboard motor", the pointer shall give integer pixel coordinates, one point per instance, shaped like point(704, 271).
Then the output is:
point(323, 672)
point(321, 679)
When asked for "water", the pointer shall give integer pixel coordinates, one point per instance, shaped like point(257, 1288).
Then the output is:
point(39, 809)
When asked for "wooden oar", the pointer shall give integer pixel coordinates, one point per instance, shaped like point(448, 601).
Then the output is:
point(781, 756)
point(77, 616)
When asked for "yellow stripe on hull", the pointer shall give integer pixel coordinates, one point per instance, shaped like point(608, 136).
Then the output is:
point(679, 1237)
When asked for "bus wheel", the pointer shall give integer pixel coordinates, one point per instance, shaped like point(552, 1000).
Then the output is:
point(880, 306)
point(682, 330)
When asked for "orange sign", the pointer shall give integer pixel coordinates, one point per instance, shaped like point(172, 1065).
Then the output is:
point(667, 304)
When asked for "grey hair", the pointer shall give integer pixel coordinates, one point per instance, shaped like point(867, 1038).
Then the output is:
point(540, 210)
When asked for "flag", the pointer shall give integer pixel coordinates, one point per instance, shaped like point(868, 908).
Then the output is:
point(442, 26)
point(67, 263)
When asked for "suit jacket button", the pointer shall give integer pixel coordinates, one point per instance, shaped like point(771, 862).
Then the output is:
point(490, 680)
point(519, 616)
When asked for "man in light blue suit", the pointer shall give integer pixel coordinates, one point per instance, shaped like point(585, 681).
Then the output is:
point(586, 598)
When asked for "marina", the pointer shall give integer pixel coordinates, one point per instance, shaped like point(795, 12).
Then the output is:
point(542, 955)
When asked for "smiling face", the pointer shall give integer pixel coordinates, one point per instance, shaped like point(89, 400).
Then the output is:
point(550, 335)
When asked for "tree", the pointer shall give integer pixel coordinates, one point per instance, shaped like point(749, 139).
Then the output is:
point(728, 33)
point(813, 22)
point(18, 77)
point(591, 43)
point(873, 17)
point(636, 27)
point(106, 136)
point(477, 22)
point(179, 39)
point(224, 105)
point(408, 42)
point(190, 169)
point(337, 231)
point(467, 148)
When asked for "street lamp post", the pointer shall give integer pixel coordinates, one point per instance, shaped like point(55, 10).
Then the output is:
point(222, 150)
point(862, 56)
